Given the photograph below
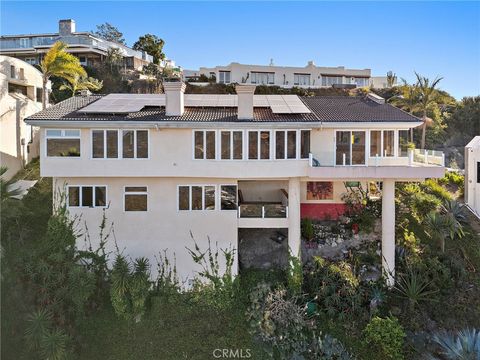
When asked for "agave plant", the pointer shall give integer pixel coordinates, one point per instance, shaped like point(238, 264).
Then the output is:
point(456, 209)
point(414, 287)
point(465, 345)
point(54, 345)
point(39, 324)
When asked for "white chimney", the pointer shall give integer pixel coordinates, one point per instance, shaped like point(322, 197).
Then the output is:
point(174, 97)
point(245, 101)
point(66, 27)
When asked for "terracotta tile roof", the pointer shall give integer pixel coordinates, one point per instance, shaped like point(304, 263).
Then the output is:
point(326, 109)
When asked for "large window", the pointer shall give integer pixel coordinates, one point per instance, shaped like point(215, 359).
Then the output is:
point(136, 198)
point(382, 143)
point(331, 80)
point(301, 79)
point(87, 196)
point(196, 197)
point(259, 145)
point(361, 82)
point(228, 195)
point(350, 148)
point(231, 145)
point(135, 144)
point(224, 77)
point(285, 144)
point(105, 144)
point(204, 143)
point(304, 144)
point(403, 143)
point(63, 143)
point(263, 78)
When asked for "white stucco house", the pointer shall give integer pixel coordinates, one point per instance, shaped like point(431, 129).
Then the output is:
point(20, 96)
point(308, 76)
point(472, 175)
point(165, 165)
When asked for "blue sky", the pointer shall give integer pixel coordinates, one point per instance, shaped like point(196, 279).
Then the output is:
point(433, 38)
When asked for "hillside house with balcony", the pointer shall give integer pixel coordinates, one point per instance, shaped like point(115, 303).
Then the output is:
point(90, 49)
point(167, 165)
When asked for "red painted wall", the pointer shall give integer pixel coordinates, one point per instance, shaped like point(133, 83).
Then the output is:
point(322, 211)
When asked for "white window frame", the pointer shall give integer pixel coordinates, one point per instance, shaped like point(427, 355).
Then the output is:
point(204, 131)
point(219, 144)
point(203, 186)
point(270, 145)
point(367, 146)
point(63, 136)
point(135, 193)
point(134, 144)
point(262, 73)
point(302, 76)
point(119, 145)
point(285, 145)
point(80, 196)
point(395, 143)
point(224, 73)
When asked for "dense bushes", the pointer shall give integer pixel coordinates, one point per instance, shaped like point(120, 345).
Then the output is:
point(335, 288)
point(384, 338)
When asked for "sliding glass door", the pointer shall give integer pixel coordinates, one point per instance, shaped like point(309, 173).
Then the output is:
point(350, 148)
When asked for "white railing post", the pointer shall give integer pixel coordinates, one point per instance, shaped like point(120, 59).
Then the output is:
point(410, 156)
point(425, 152)
point(286, 211)
point(310, 159)
point(344, 159)
point(263, 211)
point(443, 159)
point(376, 159)
point(239, 211)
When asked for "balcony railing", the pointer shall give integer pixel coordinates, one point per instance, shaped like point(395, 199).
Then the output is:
point(263, 211)
point(415, 157)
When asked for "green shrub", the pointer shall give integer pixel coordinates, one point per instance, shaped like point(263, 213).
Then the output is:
point(335, 287)
point(294, 275)
point(278, 321)
point(308, 232)
point(431, 186)
point(130, 289)
point(214, 287)
point(384, 338)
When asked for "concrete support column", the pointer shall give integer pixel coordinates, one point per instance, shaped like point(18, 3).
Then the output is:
point(294, 216)
point(388, 231)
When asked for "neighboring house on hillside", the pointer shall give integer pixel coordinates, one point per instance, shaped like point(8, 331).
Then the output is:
point(90, 49)
point(20, 96)
point(309, 76)
point(165, 165)
point(472, 175)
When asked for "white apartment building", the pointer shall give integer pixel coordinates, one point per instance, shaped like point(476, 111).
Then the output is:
point(472, 175)
point(309, 76)
point(164, 166)
point(21, 95)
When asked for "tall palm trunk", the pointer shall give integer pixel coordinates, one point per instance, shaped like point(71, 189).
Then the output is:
point(424, 131)
point(44, 93)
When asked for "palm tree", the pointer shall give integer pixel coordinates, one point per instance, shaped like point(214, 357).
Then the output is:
point(77, 83)
point(427, 94)
point(57, 62)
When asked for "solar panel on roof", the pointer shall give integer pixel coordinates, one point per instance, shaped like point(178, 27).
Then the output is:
point(126, 103)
